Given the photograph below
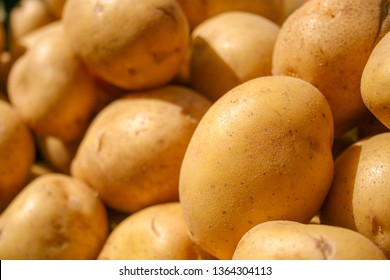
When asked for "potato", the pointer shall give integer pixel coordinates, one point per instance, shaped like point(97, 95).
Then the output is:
point(55, 7)
point(261, 152)
point(52, 90)
point(17, 153)
point(157, 232)
point(287, 240)
point(54, 217)
point(132, 44)
point(133, 149)
point(327, 43)
point(25, 17)
point(229, 49)
point(359, 198)
point(375, 83)
point(57, 153)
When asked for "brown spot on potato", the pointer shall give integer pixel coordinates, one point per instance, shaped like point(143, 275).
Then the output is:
point(99, 8)
point(168, 12)
point(377, 228)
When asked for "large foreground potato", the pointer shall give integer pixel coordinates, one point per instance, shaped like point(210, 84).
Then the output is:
point(229, 49)
point(130, 43)
point(17, 153)
point(287, 240)
point(133, 150)
point(327, 43)
point(359, 198)
point(261, 152)
point(375, 84)
point(54, 217)
point(157, 232)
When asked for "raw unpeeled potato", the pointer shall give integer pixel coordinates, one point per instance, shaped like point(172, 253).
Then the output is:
point(133, 149)
point(359, 198)
point(52, 90)
point(328, 43)
point(132, 44)
point(229, 49)
point(261, 152)
point(54, 217)
point(375, 85)
point(287, 240)
point(157, 232)
point(17, 153)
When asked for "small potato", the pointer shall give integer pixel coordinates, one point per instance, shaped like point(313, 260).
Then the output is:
point(375, 83)
point(17, 153)
point(54, 217)
point(135, 45)
point(52, 90)
point(25, 17)
point(229, 49)
point(133, 149)
point(328, 43)
point(261, 152)
point(157, 232)
point(287, 240)
point(359, 198)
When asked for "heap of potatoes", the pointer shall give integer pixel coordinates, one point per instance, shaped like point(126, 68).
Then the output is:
point(175, 129)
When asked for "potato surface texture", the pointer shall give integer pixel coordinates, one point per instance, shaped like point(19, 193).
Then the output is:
point(375, 85)
point(327, 43)
point(157, 232)
point(359, 198)
point(54, 217)
point(130, 43)
point(17, 153)
point(133, 149)
point(287, 240)
point(261, 152)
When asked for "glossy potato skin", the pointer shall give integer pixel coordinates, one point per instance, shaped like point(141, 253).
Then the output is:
point(287, 240)
point(54, 217)
point(261, 152)
point(157, 232)
point(359, 198)
point(375, 84)
point(131, 44)
point(327, 43)
point(132, 151)
point(17, 153)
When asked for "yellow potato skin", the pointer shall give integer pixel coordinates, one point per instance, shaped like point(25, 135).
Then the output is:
point(327, 43)
point(132, 44)
point(157, 232)
point(287, 240)
point(359, 198)
point(51, 89)
point(229, 49)
point(261, 152)
point(54, 217)
point(17, 153)
point(375, 83)
point(132, 151)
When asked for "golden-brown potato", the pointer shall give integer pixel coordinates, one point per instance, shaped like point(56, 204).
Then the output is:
point(25, 17)
point(54, 217)
point(133, 149)
point(359, 198)
point(17, 153)
point(129, 43)
point(375, 83)
point(229, 49)
point(287, 240)
point(327, 43)
point(261, 152)
point(157, 232)
point(52, 90)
